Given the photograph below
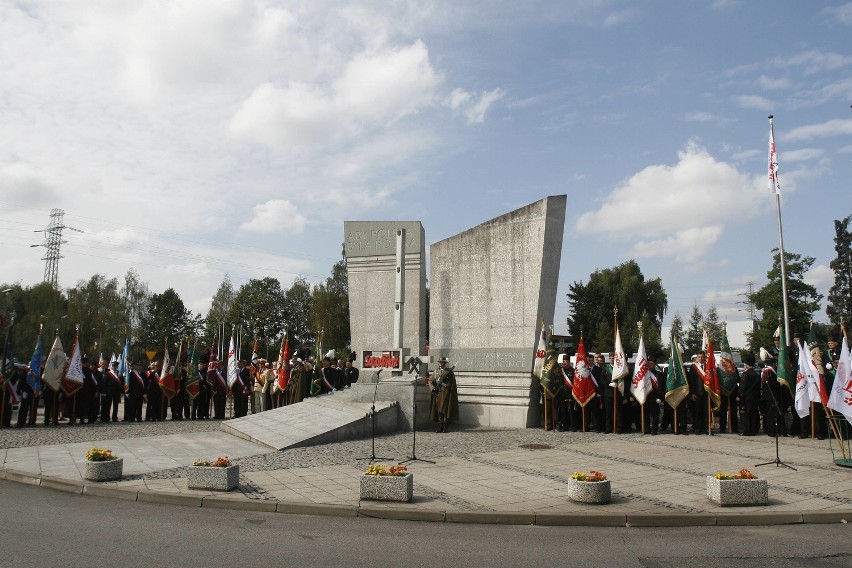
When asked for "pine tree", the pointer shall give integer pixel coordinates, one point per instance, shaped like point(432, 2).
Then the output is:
point(694, 334)
point(839, 308)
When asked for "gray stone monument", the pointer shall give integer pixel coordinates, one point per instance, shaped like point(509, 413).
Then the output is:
point(490, 287)
point(371, 267)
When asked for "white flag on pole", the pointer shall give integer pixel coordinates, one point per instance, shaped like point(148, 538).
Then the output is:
point(841, 392)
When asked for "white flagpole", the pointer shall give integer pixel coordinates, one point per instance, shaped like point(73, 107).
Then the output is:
point(776, 187)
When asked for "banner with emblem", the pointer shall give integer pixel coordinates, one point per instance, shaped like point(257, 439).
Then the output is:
point(283, 365)
point(73, 379)
point(167, 379)
point(727, 370)
point(192, 379)
point(841, 391)
point(640, 386)
point(619, 362)
point(585, 386)
point(677, 387)
point(54, 367)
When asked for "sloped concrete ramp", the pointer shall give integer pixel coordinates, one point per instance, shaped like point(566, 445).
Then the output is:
point(321, 420)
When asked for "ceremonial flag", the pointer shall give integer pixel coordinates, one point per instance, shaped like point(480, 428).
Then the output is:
point(213, 375)
point(803, 400)
point(124, 364)
point(784, 372)
point(584, 383)
point(34, 369)
point(54, 367)
point(676, 386)
point(167, 379)
point(233, 372)
point(284, 364)
point(254, 368)
point(711, 379)
point(193, 377)
point(841, 392)
point(816, 386)
point(727, 370)
point(73, 379)
point(317, 371)
point(540, 353)
point(619, 362)
point(14, 398)
point(774, 184)
point(641, 385)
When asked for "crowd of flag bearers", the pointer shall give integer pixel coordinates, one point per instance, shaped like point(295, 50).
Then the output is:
point(798, 390)
point(196, 385)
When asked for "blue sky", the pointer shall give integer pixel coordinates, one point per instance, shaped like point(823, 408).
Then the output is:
point(190, 139)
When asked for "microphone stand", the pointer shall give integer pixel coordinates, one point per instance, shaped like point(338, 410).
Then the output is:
point(373, 457)
point(413, 456)
point(777, 411)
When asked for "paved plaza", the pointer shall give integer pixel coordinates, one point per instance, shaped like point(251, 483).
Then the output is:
point(478, 475)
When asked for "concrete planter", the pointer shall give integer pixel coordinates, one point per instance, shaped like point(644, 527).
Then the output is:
point(213, 478)
point(595, 492)
point(103, 470)
point(387, 487)
point(727, 492)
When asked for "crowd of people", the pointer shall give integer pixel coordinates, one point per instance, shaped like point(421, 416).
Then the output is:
point(188, 394)
point(757, 403)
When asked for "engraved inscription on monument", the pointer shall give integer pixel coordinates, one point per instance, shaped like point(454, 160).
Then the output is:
point(513, 360)
point(377, 238)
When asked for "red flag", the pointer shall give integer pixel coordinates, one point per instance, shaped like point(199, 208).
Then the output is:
point(283, 361)
point(167, 379)
point(584, 382)
point(213, 374)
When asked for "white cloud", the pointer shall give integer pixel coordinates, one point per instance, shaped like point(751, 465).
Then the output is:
point(698, 190)
point(701, 117)
point(747, 155)
point(753, 101)
point(813, 61)
point(774, 83)
point(620, 17)
point(841, 14)
point(473, 110)
point(686, 245)
point(820, 277)
point(276, 216)
point(801, 155)
point(831, 127)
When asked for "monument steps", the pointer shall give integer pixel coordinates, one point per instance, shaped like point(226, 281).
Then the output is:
point(319, 420)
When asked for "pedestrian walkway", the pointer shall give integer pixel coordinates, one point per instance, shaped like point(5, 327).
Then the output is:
point(478, 475)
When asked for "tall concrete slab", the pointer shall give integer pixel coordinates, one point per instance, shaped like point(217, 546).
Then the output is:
point(370, 248)
point(490, 287)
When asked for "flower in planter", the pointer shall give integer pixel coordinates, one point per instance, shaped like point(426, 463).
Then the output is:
point(383, 470)
point(220, 462)
point(99, 455)
point(743, 474)
point(591, 477)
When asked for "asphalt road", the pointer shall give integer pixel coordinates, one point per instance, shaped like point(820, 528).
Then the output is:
point(44, 528)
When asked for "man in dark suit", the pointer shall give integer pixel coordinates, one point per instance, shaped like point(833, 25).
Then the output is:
point(697, 394)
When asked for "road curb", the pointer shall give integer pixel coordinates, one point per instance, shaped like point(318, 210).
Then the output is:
point(761, 518)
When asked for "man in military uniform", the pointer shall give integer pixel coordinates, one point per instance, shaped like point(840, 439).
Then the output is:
point(444, 397)
point(697, 394)
point(603, 376)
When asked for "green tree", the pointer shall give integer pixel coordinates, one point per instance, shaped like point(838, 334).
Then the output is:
point(330, 308)
point(136, 294)
point(34, 306)
point(96, 304)
point(677, 330)
point(694, 334)
point(802, 299)
point(713, 326)
point(165, 316)
point(220, 307)
point(259, 307)
point(298, 301)
point(636, 298)
point(839, 308)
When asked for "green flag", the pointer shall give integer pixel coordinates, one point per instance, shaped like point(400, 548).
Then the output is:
point(728, 375)
point(676, 386)
point(785, 374)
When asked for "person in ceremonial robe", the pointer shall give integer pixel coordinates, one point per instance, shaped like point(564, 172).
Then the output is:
point(154, 411)
point(748, 395)
point(296, 385)
point(445, 401)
